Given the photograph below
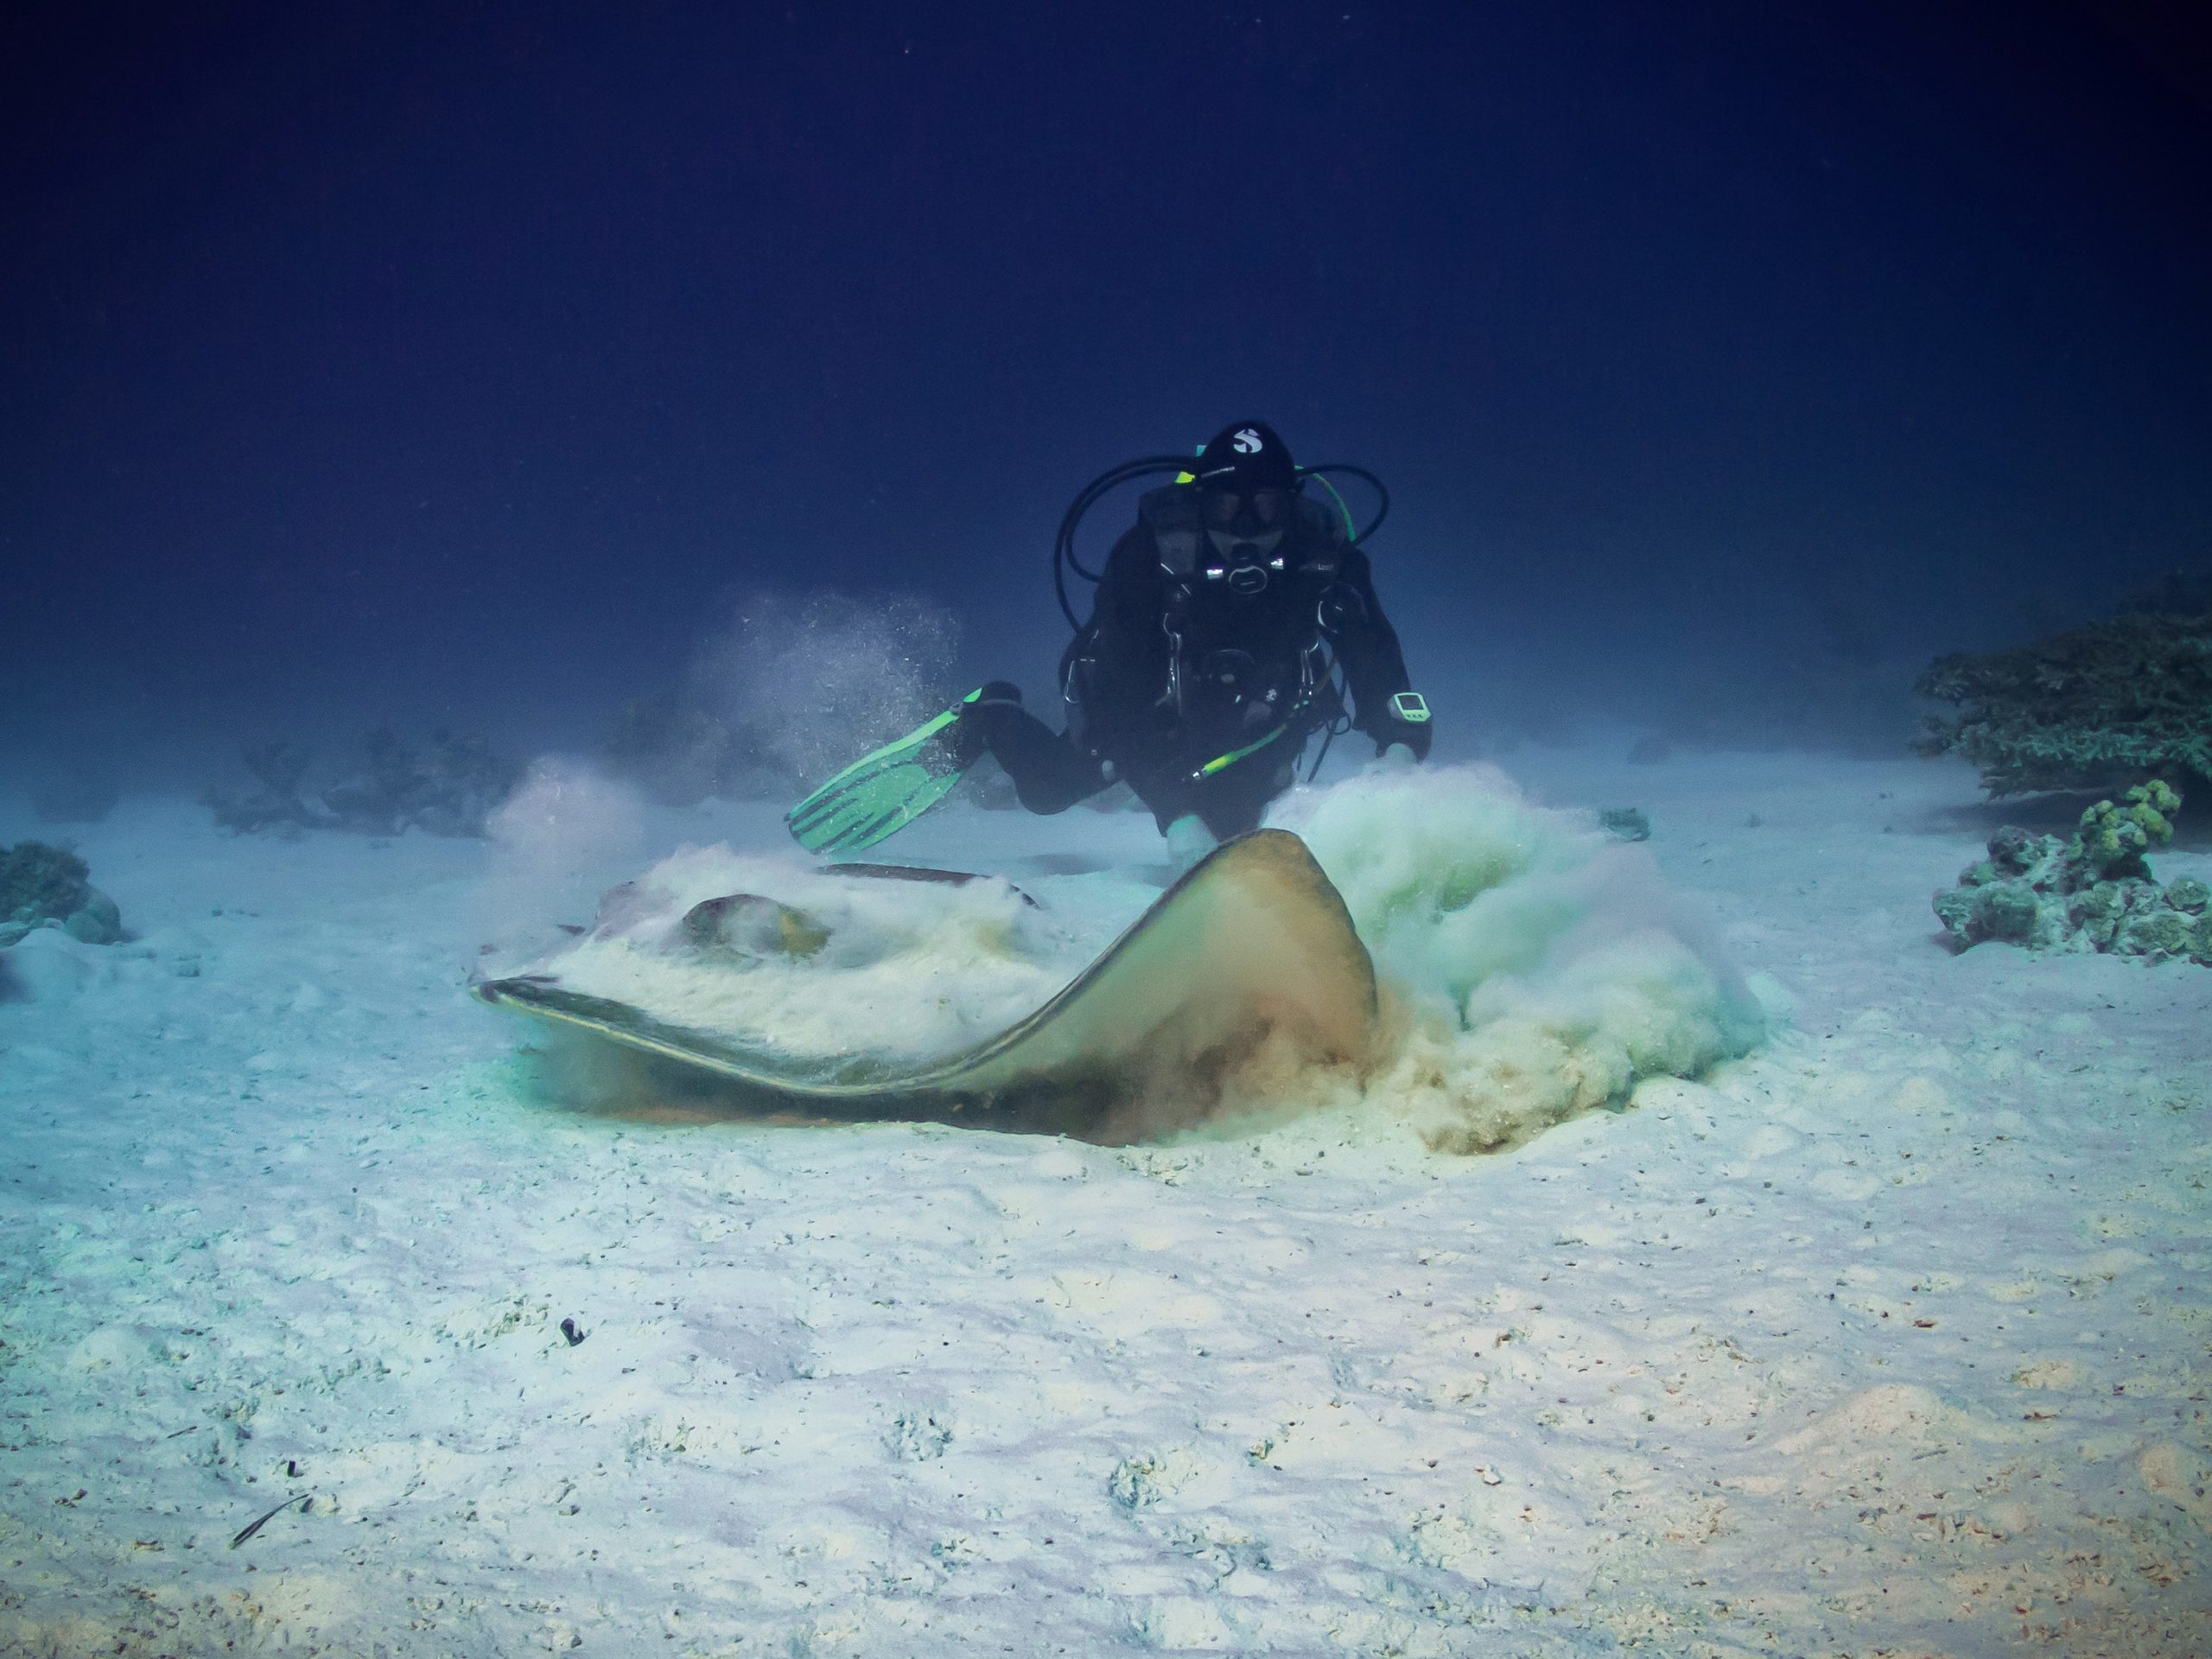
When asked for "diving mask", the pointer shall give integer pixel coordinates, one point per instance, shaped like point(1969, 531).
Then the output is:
point(1246, 525)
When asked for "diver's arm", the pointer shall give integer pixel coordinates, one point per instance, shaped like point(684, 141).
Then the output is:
point(1374, 664)
point(1117, 660)
point(1127, 607)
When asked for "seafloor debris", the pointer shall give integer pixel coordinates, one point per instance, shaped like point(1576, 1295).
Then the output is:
point(46, 887)
point(1625, 823)
point(306, 1500)
point(2091, 891)
point(274, 804)
point(448, 787)
point(2115, 703)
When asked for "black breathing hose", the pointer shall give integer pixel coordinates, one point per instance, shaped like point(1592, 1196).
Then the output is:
point(1063, 544)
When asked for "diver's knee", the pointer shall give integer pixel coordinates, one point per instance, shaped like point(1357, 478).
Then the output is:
point(1189, 838)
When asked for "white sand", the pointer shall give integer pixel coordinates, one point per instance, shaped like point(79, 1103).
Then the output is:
point(1891, 1337)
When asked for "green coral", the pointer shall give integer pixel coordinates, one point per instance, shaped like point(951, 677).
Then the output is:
point(2153, 806)
point(2118, 700)
point(2114, 839)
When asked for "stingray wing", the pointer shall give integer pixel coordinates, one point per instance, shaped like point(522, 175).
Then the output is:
point(1251, 952)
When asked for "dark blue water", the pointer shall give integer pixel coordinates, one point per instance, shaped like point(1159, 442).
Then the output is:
point(1725, 361)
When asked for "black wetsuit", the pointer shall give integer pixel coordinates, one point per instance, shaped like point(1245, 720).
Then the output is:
point(1192, 656)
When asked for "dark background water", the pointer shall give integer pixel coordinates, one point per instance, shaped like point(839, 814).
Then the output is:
point(474, 365)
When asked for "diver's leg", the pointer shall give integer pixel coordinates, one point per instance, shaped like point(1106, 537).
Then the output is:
point(1233, 802)
point(1188, 841)
point(1196, 818)
point(1049, 773)
point(1227, 804)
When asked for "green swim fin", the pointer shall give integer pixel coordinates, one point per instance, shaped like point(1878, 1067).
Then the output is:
point(882, 793)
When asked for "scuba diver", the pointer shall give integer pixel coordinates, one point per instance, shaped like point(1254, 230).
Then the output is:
point(1231, 622)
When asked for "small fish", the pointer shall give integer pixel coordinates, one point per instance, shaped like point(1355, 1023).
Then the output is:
point(260, 1522)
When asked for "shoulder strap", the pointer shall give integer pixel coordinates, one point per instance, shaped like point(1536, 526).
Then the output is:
point(1171, 514)
point(1320, 537)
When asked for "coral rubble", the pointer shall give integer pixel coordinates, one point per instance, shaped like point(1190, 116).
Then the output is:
point(1625, 823)
point(47, 887)
point(2092, 891)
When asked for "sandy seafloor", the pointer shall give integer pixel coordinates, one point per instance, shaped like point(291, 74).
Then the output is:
point(1890, 1337)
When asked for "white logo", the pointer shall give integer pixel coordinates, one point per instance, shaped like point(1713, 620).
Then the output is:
point(1247, 442)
